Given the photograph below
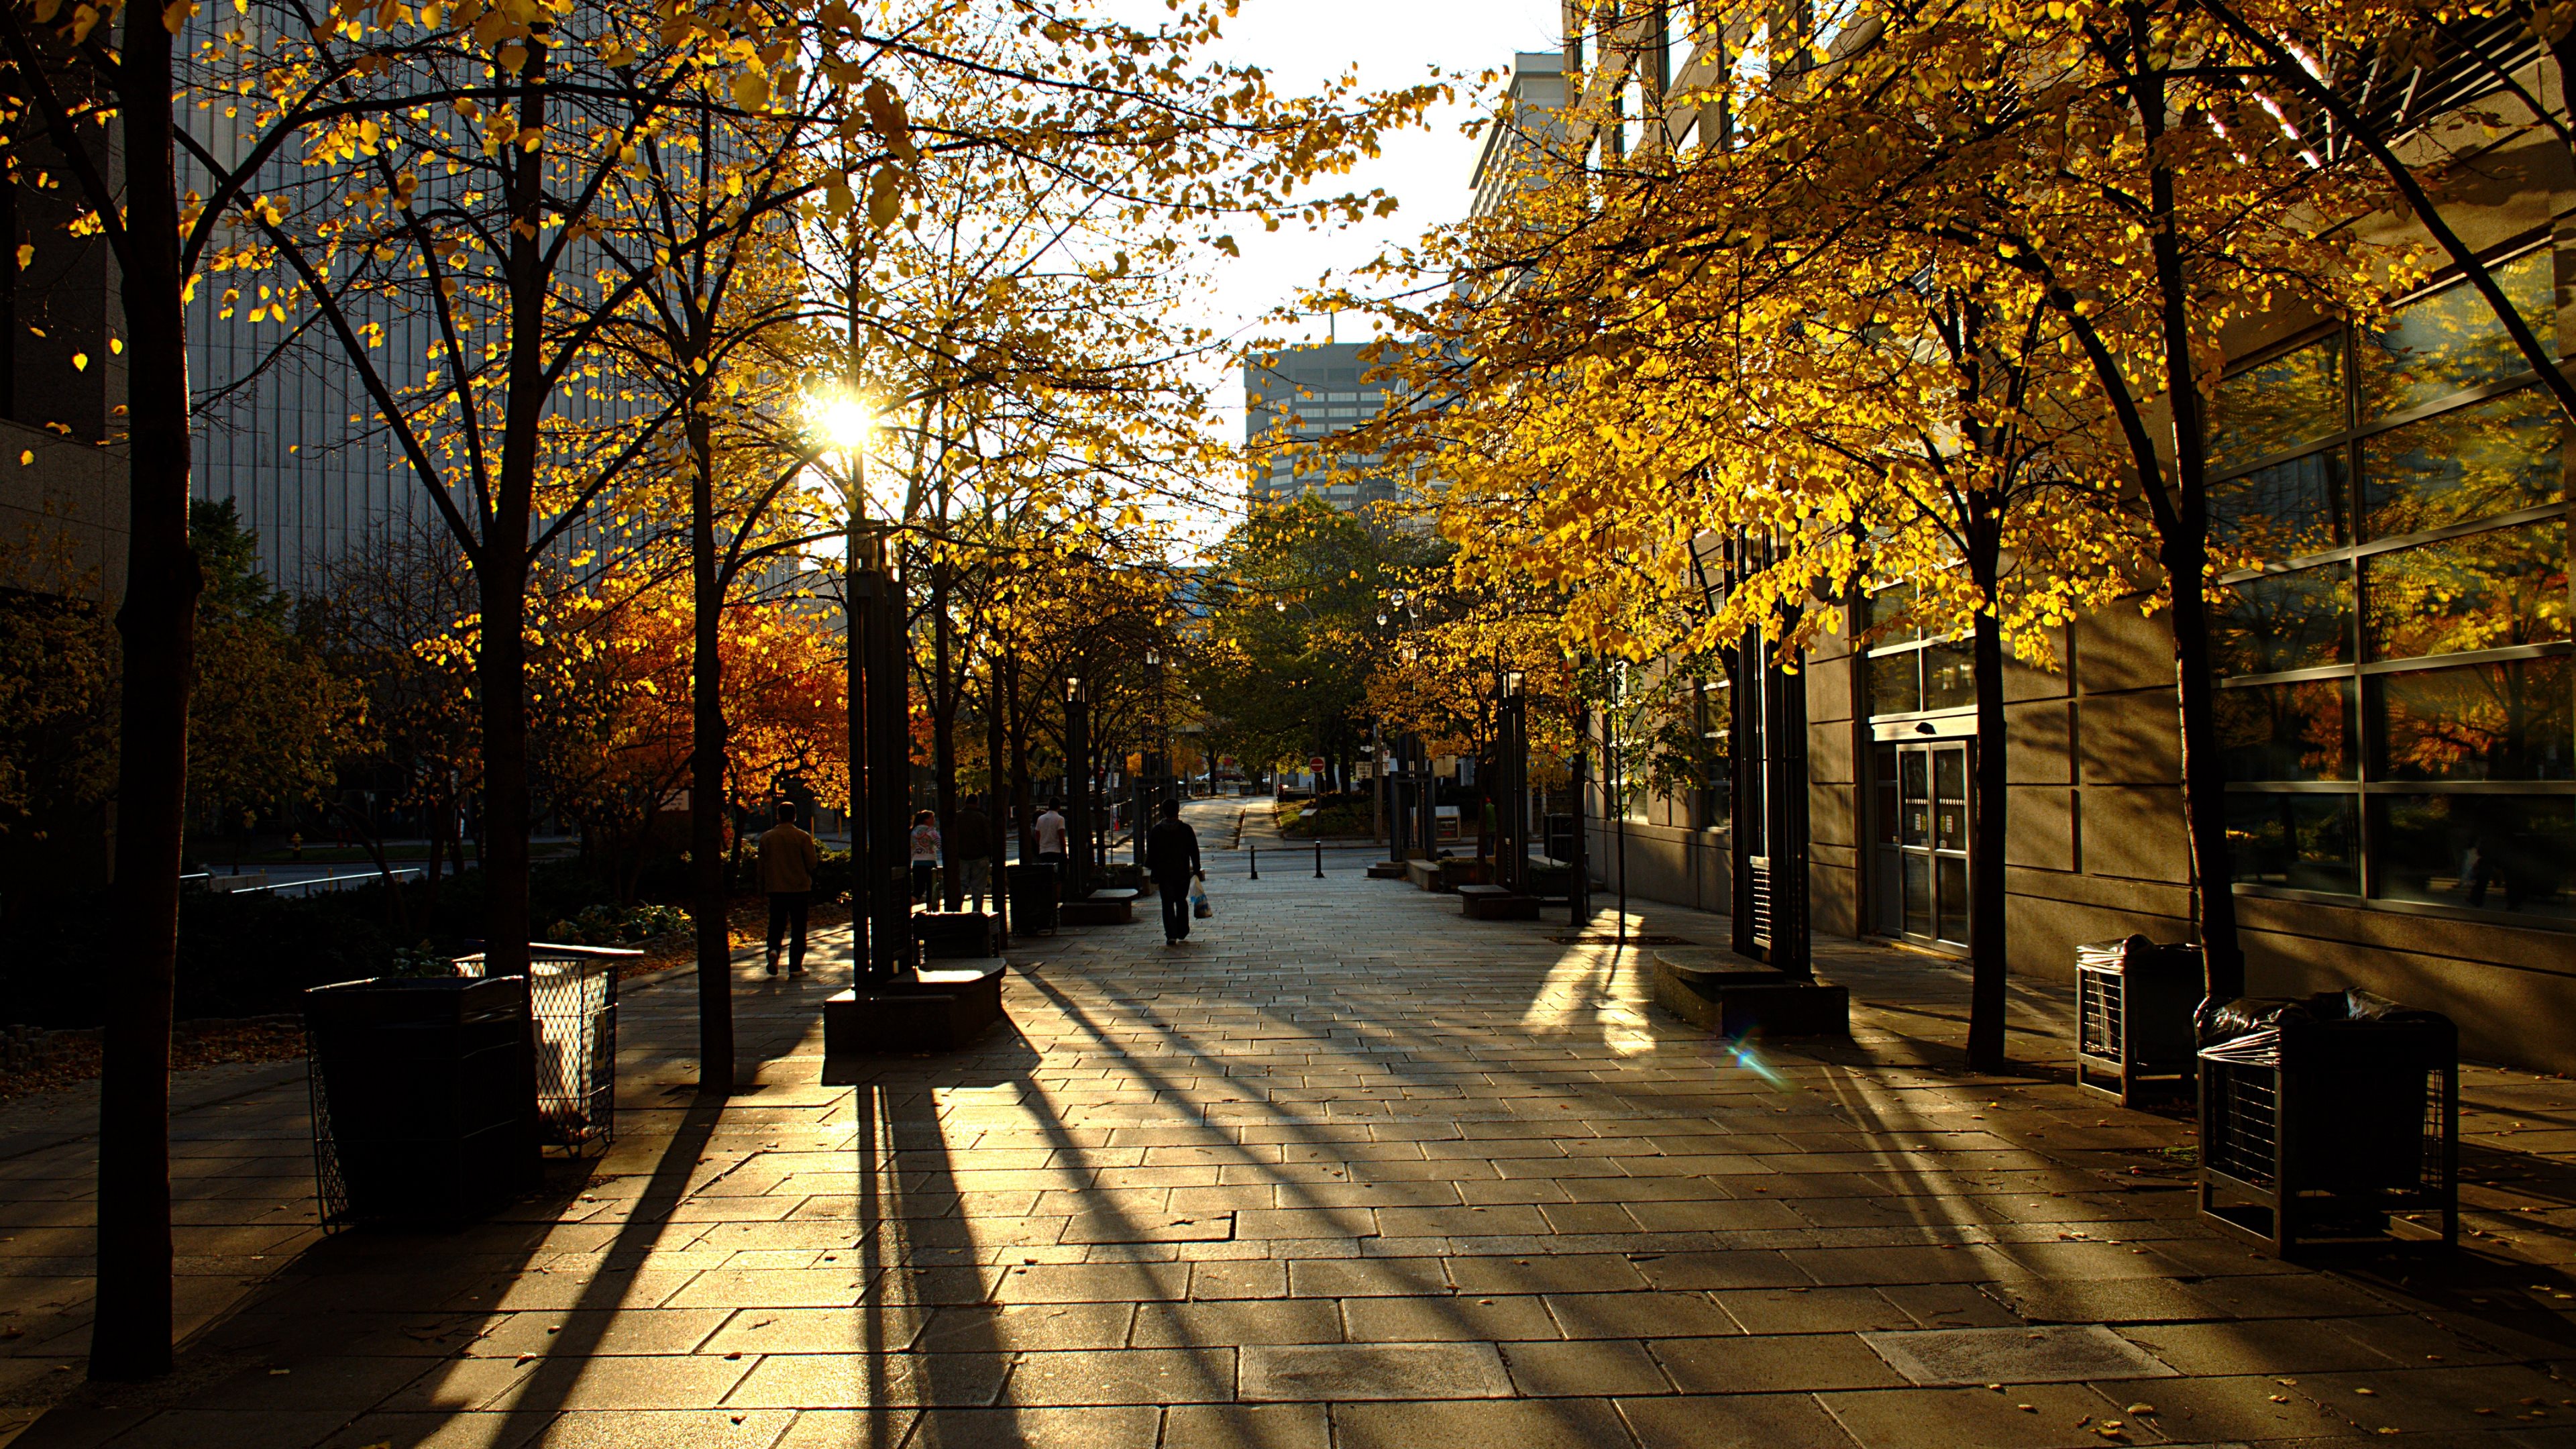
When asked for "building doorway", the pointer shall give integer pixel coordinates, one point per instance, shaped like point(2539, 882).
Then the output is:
point(1921, 841)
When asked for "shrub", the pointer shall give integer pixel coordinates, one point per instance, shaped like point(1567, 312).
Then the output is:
point(618, 925)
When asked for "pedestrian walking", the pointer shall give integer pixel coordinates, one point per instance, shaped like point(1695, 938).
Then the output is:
point(925, 854)
point(788, 857)
point(970, 853)
point(1050, 831)
point(1172, 859)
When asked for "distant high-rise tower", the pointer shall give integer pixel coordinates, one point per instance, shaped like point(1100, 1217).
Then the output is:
point(1530, 122)
point(1294, 400)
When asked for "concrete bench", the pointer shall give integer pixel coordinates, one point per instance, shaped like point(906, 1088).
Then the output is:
point(920, 1011)
point(1495, 903)
point(1388, 869)
point(1100, 908)
point(1445, 875)
point(1733, 996)
point(953, 935)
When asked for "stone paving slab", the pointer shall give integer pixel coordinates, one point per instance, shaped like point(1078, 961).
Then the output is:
point(1345, 1171)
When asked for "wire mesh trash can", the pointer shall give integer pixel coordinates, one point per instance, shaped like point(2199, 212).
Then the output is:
point(421, 1108)
point(2133, 1017)
point(573, 1001)
point(2329, 1121)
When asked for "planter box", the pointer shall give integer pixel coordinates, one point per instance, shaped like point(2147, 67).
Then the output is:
point(1735, 997)
point(921, 1011)
point(1100, 908)
point(953, 936)
point(1495, 903)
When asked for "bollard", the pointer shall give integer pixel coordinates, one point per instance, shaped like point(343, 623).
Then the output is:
point(1319, 857)
point(1256, 861)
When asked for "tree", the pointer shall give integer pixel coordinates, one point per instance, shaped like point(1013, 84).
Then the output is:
point(1298, 619)
point(394, 621)
point(1925, 290)
point(58, 689)
point(712, 256)
point(268, 724)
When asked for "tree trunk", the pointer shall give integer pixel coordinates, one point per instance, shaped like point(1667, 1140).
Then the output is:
point(1023, 795)
point(130, 1334)
point(429, 874)
point(707, 746)
point(2185, 555)
point(1987, 962)
point(997, 869)
point(2204, 795)
point(501, 574)
point(945, 688)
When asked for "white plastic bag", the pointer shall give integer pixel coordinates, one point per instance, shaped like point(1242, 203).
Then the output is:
point(1198, 899)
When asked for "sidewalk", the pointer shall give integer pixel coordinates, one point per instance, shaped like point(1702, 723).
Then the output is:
point(1345, 1171)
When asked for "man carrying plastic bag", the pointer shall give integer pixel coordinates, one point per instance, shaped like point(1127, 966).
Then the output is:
point(1172, 859)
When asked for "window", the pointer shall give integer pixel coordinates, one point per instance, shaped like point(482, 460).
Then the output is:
point(2397, 702)
point(1903, 671)
point(1714, 805)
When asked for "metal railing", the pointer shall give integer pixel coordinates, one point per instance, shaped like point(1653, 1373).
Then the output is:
point(326, 882)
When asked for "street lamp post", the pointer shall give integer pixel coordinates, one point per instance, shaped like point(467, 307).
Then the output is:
point(1580, 915)
point(1511, 789)
point(1077, 787)
point(879, 706)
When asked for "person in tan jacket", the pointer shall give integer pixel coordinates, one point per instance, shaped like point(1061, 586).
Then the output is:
point(788, 858)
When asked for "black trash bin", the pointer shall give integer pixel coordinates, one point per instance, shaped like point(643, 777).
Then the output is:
point(424, 1108)
point(1032, 884)
point(2133, 1010)
point(2330, 1121)
point(1557, 834)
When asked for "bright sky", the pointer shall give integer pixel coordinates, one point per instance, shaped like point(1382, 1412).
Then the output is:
point(1303, 44)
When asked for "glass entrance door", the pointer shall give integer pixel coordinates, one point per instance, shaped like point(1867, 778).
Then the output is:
point(1921, 800)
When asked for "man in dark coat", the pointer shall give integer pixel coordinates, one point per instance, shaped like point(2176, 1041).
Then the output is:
point(788, 858)
point(1172, 859)
point(970, 853)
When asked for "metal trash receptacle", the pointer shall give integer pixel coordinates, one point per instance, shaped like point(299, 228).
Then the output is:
point(1032, 884)
point(2329, 1121)
point(2134, 1001)
point(573, 1003)
point(420, 1097)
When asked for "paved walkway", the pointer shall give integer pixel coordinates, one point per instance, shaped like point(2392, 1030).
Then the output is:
point(1345, 1171)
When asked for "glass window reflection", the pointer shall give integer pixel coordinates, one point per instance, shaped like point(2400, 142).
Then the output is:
point(2514, 720)
point(1949, 676)
point(2486, 590)
point(2514, 853)
point(2278, 406)
point(2281, 732)
point(2466, 465)
point(2450, 341)
point(1896, 683)
point(2278, 622)
point(2285, 511)
point(1888, 609)
point(2302, 842)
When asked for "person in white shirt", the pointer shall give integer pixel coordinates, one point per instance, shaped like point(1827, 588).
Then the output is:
point(1049, 827)
point(925, 855)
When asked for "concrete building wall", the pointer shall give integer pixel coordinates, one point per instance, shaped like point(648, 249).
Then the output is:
point(2096, 849)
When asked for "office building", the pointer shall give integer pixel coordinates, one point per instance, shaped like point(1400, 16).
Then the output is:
point(1295, 402)
point(2397, 680)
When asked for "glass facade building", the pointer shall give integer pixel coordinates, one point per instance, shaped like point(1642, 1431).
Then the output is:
point(2399, 700)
